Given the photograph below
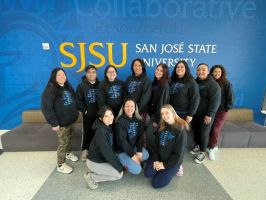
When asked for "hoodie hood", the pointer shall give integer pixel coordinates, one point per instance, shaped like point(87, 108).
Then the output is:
point(99, 124)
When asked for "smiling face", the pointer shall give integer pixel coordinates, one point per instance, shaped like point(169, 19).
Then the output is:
point(111, 74)
point(137, 68)
point(129, 108)
point(180, 70)
point(168, 116)
point(202, 72)
point(91, 74)
point(108, 118)
point(217, 73)
point(159, 72)
point(61, 78)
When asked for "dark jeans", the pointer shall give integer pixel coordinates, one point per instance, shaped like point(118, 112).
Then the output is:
point(88, 132)
point(160, 178)
point(218, 123)
point(201, 131)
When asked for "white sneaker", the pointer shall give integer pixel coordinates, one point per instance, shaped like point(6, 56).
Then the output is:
point(84, 155)
point(211, 153)
point(71, 156)
point(64, 168)
point(90, 182)
point(215, 148)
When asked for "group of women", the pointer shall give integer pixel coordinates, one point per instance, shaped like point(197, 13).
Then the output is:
point(126, 123)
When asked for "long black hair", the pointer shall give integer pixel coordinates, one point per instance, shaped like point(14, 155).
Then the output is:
point(56, 87)
point(187, 75)
point(142, 65)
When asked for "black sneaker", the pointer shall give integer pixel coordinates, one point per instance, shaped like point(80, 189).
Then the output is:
point(195, 150)
point(199, 158)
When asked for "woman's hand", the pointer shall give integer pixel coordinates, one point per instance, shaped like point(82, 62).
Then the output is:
point(188, 119)
point(135, 158)
point(56, 128)
point(139, 155)
point(207, 120)
point(159, 166)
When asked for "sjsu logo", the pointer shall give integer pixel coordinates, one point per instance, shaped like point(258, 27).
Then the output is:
point(67, 49)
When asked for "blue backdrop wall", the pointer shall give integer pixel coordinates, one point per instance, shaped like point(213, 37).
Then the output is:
point(36, 36)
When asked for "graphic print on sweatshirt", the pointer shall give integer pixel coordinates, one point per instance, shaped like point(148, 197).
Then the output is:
point(176, 87)
point(165, 137)
point(92, 95)
point(114, 91)
point(67, 98)
point(132, 86)
point(132, 129)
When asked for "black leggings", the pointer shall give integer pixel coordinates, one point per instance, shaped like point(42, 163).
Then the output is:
point(201, 131)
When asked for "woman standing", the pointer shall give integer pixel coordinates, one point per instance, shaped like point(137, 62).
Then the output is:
point(129, 131)
point(86, 96)
point(102, 161)
point(210, 98)
point(171, 141)
point(59, 109)
point(159, 97)
point(218, 72)
point(138, 86)
point(111, 90)
point(184, 92)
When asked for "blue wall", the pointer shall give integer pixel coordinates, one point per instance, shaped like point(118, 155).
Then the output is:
point(227, 32)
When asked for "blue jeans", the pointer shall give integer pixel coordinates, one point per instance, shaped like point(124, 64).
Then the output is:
point(131, 165)
point(162, 177)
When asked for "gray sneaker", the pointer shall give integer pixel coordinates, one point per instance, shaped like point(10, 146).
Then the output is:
point(90, 182)
point(84, 155)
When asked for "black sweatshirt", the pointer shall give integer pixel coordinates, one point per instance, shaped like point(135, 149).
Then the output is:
point(101, 148)
point(170, 146)
point(59, 110)
point(184, 96)
point(86, 96)
point(210, 96)
point(139, 88)
point(129, 134)
point(159, 97)
point(111, 94)
point(227, 97)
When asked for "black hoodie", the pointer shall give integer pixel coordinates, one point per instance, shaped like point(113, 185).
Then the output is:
point(170, 146)
point(184, 96)
point(139, 88)
point(227, 97)
point(159, 97)
point(86, 96)
point(60, 111)
point(129, 134)
point(210, 96)
point(111, 94)
point(101, 148)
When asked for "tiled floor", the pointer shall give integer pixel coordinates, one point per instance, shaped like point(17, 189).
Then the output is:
point(241, 172)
